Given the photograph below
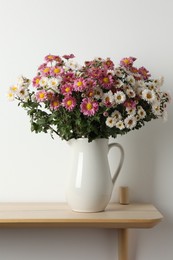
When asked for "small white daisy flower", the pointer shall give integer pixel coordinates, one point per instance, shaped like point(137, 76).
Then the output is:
point(117, 115)
point(159, 82)
point(108, 98)
point(148, 95)
point(110, 121)
point(53, 82)
point(119, 83)
point(156, 109)
point(20, 81)
point(151, 86)
point(23, 82)
point(98, 93)
point(130, 79)
point(72, 64)
point(141, 112)
point(139, 91)
point(111, 72)
point(118, 73)
point(130, 93)
point(120, 97)
point(43, 81)
point(23, 93)
point(130, 122)
point(10, 96)
point(131, 110)
point(141, 83)
point(120, 125)
point(14, 88)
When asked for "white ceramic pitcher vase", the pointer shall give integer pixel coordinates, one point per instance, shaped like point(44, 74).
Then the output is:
point(90, 183)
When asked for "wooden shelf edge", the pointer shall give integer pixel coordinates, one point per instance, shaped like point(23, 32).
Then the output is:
point(49, 215)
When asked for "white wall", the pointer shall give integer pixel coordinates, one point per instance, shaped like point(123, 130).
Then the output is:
point(33, 168)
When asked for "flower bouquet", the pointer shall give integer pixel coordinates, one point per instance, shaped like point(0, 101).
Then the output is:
point(96, 100)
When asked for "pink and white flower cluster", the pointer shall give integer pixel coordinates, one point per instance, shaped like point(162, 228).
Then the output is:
point(122, 96)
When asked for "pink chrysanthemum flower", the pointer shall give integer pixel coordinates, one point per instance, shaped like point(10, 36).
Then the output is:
point(71, 56)
point(69, 103)
point(49, 58)
point(57, 59)
point(89, 107)
point(36, 81)
point(90, 83)
point(50, 95)
point(46, 71)
point(67, 89)
point(130, 103)
point(68, 77)
point(90, 92)
point(56, 71)
point(79, 84)
point(106, 81)
point(108, 64)
point(41, 96)
point(42, 66)
point(127, 62)
point(144, 73)
point(55, 104)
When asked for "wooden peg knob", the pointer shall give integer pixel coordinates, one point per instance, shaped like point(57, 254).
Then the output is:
point(124, 195)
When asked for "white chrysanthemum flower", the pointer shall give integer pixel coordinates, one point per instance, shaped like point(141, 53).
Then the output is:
point(20, 81)
point(151, 85)
point(117, 115)
point(159, 82)
point(53, 82)
point(120, 125)
point(119, 83)
point(141, 83)
point(130, 122)
point(43, 82)
point(23, 82)
point(130, 92)
point(98, 93)
point(139, 91)
point(131, 110)
point(98, 59)
point(118, 73)
point(149, 95)
point(110, 121)
point(120, 97)
point(14, 88)
point(23, 93)
point(72, 64)
point(108, 98)
point(141, 112)
point(111, 72)
point(130, 79)
point(10, 95)
point(156, 109)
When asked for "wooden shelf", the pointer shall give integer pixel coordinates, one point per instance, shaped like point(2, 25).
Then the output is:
point(60, 215)
point(116, 216)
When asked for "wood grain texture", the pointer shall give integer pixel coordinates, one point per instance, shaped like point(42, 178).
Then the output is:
point(60, 215)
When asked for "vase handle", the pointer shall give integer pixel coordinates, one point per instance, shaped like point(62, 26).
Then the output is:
point(115, 176)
